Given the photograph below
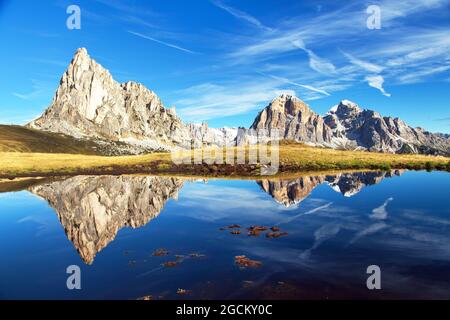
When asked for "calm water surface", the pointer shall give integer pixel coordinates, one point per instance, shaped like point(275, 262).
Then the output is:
point(337, 226)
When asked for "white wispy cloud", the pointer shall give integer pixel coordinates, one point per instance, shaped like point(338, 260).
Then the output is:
point(250, 92)
point(377, 83)
point(300, 51)
point(210, 100)
point(25, 96)
point(264, 47)
point(418, 55)
point(161, 42)
point(38, 88)
point(394, 52)
point(305, 86)
point(272, 47)
point(392, 10)
point(395, 56)
point(424, 72)
point(319, 64)
point(240, 15)
point(316, 63)
point(363, 64)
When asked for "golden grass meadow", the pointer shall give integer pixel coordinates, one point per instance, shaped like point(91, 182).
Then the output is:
point(292, 158)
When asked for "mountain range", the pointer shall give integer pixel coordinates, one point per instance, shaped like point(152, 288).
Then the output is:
point(128, 118)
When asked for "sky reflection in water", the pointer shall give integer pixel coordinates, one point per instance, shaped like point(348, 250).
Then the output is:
point(337, 226)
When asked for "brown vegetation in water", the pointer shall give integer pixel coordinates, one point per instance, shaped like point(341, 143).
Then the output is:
point(244, 262)
point(276, 234)
point(160, 252)
point(170, 264)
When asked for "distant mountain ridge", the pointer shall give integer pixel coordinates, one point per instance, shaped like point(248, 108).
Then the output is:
point(347, 126)
point(355, 128)
point(128, 118)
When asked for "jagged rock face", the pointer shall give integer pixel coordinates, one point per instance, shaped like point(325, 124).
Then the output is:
point(89, 103)
point(92, 209)
point(294, 121)
point(346, 126)
point(355, 128)
point(291, 192)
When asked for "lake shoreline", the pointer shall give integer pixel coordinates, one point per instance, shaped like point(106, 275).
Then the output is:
point(17, 183)
point(203, 170)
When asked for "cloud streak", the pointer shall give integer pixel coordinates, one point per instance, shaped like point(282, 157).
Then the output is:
point(210, 100)
point(305, 86)
point(161, 42)
point(38, 88)
point(241, 15)
point(363, 64)
point(424, 72)
point(395, 52)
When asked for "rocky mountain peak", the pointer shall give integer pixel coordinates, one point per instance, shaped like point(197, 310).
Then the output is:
point(293, 119)
point(289, 105)
point(82, 64)
point(90, 104)
point(345, 108)
point(81, 54)
point(355, 128)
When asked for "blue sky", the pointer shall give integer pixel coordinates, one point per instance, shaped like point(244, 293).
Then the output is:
point(224, 60)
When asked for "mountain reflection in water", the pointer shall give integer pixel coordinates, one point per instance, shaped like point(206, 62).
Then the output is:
point(290, 192)
point(92, 209)
point(313, 236)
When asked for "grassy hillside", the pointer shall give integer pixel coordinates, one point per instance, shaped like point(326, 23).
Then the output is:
point(300, 157)
point(293, 158)
point(21, 139)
